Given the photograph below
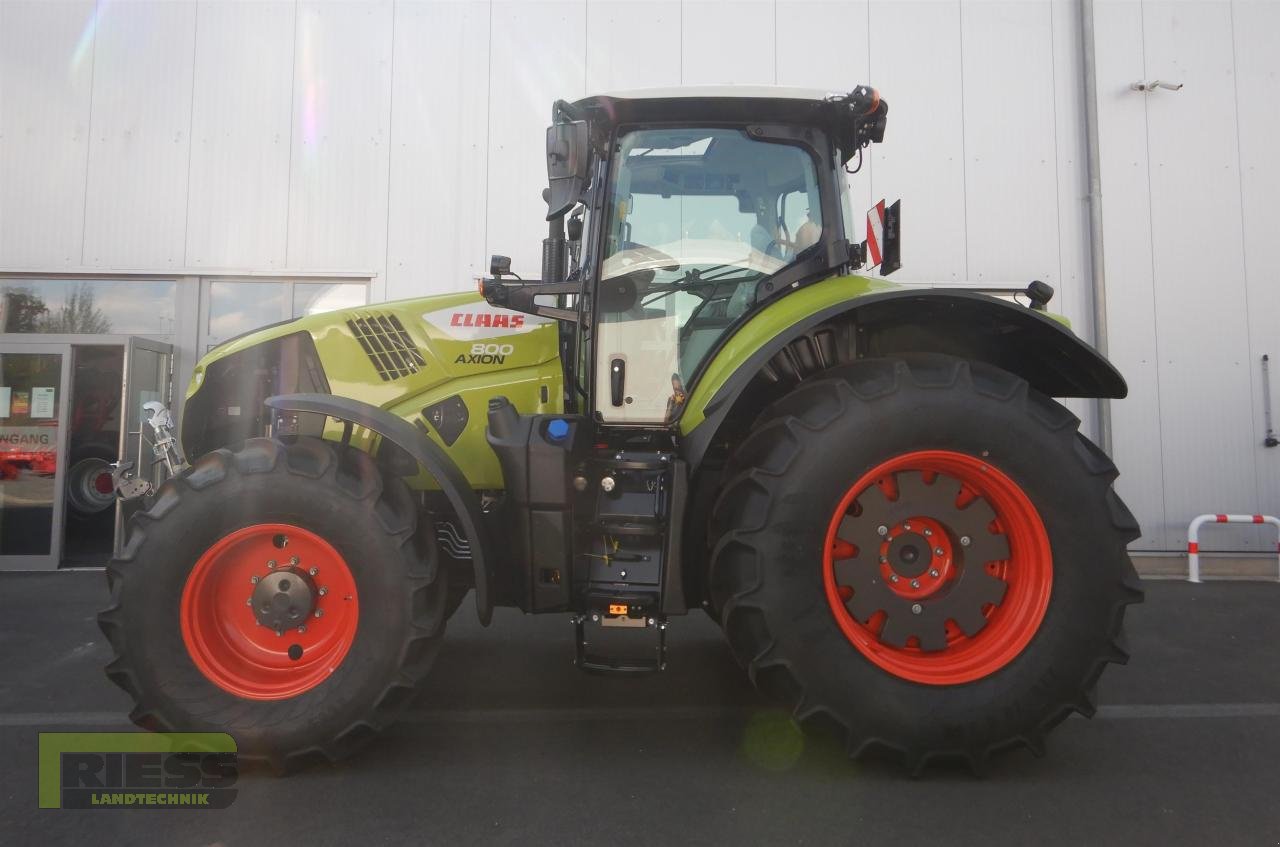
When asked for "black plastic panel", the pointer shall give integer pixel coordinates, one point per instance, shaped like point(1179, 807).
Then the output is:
point(449, 417)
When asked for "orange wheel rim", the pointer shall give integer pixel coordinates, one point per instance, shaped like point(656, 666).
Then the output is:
point(269, 611)
point(937, 567)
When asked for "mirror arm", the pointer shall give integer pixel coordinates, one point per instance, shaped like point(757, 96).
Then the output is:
point(520, 298)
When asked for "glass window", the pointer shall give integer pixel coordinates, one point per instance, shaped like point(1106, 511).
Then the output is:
point(115, 306)
point(699, 216)
point(314, 298)
point(234, 307)
point(29, 416)
point(239, 307)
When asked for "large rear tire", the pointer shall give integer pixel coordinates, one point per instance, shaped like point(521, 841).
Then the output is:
point(926, 557)
point(280, 593)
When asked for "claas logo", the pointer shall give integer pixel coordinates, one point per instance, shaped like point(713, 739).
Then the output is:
point(489, 319)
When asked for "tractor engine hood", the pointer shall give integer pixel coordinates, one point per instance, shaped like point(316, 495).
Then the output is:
point(384, 354)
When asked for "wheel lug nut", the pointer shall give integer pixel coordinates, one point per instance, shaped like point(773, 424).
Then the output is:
point(248, 601)
point(934, 573)
point(928, 532)
point(293, 560)
point(271, 564)
point(254, 579)
point(314, 571)
point(916, 608)
point(882, 530)
point(965, 541)
point(323, 591)
point(893, 577)
point(279, 633)
point(938, 551)
point(884, 560)
point(302, 628)
point(907, 527)
point(915, 583)
point(319, 613)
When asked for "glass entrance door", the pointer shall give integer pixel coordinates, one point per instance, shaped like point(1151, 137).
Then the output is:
point(148, 377)
point(33, 435)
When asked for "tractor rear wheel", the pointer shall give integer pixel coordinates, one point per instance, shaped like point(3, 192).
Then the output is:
point(280, 593)
point(925, 556)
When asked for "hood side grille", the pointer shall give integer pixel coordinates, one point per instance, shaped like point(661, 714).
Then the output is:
point(388, 346)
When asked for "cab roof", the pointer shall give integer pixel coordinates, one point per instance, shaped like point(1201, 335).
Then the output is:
point(708, 102)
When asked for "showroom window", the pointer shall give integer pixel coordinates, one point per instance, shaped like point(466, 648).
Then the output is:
point(234, 307)
point(88, 306)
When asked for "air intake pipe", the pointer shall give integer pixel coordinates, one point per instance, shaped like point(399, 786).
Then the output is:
point(555, 248)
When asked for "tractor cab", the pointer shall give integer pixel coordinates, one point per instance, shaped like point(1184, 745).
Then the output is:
point(687, 211)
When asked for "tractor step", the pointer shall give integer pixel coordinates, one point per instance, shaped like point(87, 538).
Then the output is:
point(604, 663)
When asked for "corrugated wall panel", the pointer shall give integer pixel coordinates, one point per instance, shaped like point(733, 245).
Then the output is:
point(341, 134)
point(238, 206)
point(439, 146)
point(916, 62)
point(1009, 141)
point(728, 41)
point(1136, 441)
point(1255, 24)
point(136, 199)
point(632, 44)
point(1201, 311)
point(523, 82)
point(45, 86)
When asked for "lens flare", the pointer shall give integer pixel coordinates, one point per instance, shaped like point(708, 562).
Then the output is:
point(85, 42)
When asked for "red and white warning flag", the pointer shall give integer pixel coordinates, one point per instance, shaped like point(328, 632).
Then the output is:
point(875, 234)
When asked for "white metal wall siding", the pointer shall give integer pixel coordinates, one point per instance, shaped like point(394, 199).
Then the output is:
point(241, 129)
point(404, 138)
point(46, 71)
point(341, 134)
point(439, 147)
point(1191, 309)
point(139, 140)
point(1257, 76)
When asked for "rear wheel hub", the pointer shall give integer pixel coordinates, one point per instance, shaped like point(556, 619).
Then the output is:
point(937, 567)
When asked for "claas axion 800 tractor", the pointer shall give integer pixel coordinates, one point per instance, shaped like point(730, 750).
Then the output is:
point(699, 406)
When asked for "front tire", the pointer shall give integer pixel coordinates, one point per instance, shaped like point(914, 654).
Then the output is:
point(280, 593)
point(926, 557)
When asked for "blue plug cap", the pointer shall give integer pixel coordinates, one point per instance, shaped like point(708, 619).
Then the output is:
point(558, 430)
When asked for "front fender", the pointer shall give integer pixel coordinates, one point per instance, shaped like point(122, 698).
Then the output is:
point(890, 321)
point(429, 455)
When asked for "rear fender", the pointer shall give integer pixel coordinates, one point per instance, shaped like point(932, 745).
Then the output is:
point(1025, 342)
point(429, 455)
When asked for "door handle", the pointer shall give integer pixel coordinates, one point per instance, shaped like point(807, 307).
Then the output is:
point(1148, 87)
point(617, 380)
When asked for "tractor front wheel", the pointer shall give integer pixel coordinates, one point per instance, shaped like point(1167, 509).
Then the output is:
point(280, 593)
point(925, 556)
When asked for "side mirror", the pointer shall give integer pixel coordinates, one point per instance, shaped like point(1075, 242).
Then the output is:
point(567, 158)
point(499, 266)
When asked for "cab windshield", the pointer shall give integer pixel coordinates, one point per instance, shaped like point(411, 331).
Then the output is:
point(697, 217)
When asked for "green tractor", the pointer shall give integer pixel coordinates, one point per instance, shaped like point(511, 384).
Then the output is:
point(698, 406)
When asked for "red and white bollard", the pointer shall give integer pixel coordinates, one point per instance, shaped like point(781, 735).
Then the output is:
point(1193, 537)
